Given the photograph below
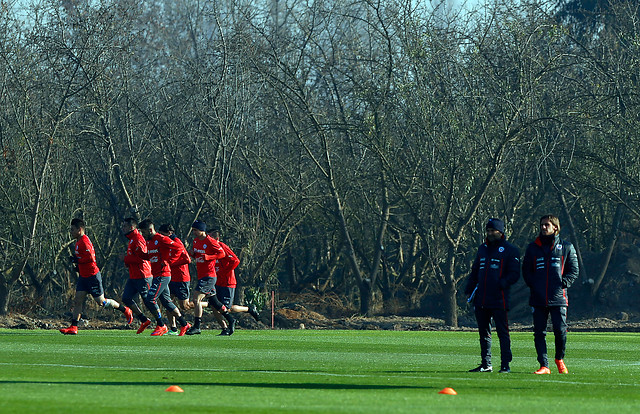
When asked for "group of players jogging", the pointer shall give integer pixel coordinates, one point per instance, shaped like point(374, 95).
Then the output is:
point(158, 264)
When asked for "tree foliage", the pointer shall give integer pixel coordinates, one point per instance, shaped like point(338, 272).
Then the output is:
point(354, 148)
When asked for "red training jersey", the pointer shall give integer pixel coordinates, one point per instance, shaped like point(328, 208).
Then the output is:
point(139, 268)
point(159, 254)
point(180, 265)
point(225, 267)
point(86, 256)
point(206, 251)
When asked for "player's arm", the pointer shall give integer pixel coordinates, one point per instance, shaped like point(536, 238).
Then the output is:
point(512, 269)
point(472, 281)
point(571, 269)
point(230, 257)
point(138, 251)
point(214, 251)
point(86, 254)
point(527, 266)
point(182, 258)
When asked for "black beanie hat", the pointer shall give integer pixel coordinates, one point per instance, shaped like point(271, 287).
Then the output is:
point(199, 225)
point(496, 224)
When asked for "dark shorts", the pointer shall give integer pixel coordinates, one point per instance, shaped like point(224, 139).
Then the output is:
point(159, 291)
point(135, 287)
point(92, 285)
point(207, 285)
point(179, 289)
point(225, 295)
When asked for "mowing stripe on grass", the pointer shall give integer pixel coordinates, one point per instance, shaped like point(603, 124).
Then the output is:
point(309, 371)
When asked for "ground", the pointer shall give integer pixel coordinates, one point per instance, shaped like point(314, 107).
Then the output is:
point(615, 307)
point(308, 311)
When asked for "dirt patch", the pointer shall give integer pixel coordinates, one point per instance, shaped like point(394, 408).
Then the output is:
point(314, 311)
point(300, 317)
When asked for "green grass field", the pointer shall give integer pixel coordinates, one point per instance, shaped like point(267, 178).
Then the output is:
point(308, 371)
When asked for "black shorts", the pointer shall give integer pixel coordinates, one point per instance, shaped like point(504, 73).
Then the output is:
point(207, 285)
point(134, 287)
point(91, 284)
point(179, 289)
point(225, 295)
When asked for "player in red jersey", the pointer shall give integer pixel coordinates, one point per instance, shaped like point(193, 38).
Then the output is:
point(89, 278)
point(139, 270)
point(159, 254)
point(205, 252)
point(226, 283)
point(180, 277)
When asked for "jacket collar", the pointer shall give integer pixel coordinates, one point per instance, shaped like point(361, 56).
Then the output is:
point(555, 241)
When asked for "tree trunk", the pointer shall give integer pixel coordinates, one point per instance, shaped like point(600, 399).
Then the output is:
point(450, 291)
point(617, 219)
point(574, 237)
point(366, 297)
point(5, 295)
point(451, 305)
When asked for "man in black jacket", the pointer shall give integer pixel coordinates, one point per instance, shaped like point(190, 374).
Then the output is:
point(495, 269)
point(549, 267)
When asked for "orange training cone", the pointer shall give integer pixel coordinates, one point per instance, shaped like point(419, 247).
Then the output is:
point(174, 388)
point(448, 391)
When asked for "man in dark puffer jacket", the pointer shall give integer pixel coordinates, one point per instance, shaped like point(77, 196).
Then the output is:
point(495, 269)
point(549, 267)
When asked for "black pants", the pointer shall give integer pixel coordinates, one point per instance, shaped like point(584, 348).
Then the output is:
point(483, 317)
point(559, 322)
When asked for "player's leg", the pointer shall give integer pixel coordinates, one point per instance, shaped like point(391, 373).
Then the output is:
point(172, 309)
point(540, 317)
point(151, 302)
point(501, 319)
point(197, 310)
point(76, 313)
point(559, 322)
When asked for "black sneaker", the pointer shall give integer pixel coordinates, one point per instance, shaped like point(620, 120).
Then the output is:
point(193, 331)
point(253, 311)
point(482, 368)
point(232, 323)
point(225, 332)
point(505, 370)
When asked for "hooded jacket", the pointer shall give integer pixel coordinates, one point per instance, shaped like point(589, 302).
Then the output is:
point(549, 270)
point(495, 268)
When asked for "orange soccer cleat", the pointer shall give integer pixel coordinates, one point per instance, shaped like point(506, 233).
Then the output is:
point(184, 329)
point(160, 330)
point(543, 370)
point(562, 368)
point(72, 330)
point(143, 326)
point(128, 315)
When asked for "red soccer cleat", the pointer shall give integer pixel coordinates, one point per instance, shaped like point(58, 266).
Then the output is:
point(72, 330)
point(160, 330)
point(128, 314)
point(184, 329)
point(562, 368)
point(143, 326)
point(543, 370)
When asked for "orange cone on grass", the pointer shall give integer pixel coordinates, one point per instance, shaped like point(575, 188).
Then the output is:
point(174, 388)
point(448, 391)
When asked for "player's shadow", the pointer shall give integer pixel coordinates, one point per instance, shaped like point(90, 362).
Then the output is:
point(288, 385)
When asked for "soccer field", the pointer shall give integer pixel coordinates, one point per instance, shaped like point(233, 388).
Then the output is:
point(304, 371)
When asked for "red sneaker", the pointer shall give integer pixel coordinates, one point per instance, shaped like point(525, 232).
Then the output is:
point(72, 330)
point(143, 326)
point(184, 329)
point(160, 330)
point(543, 370)
point(562, 368)
point(128, 314)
